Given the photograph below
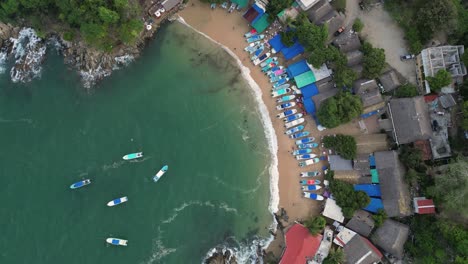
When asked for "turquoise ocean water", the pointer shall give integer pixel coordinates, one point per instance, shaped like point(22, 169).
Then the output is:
point(183, 103)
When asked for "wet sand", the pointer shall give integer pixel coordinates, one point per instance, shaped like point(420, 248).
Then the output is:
point(228, 29)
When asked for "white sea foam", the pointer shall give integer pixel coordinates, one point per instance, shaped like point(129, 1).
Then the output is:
point(29, 51)
point(122, 61)
point(247, 253)
point(175, 211)
point(3, 61)
point(92, 76)
point(114, 165)
point(159, 250)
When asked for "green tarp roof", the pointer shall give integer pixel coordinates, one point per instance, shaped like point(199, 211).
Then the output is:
point(304, 79)
point(375, 176)
point(241, 3)
point(261, 24)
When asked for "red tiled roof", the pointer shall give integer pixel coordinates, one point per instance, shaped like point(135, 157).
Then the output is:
point(425, 148)
point(300, 245)
point(372, 247)
point(425, 206)
point(430, 98)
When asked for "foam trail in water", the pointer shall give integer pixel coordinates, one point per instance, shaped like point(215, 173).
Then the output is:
point(159, 250)
point(21, 120)
point(3, 61)
point(114, 165)
point(175, 211)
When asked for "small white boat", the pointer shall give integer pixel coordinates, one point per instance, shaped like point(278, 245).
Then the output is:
point(294, 130)
point(281, 87)
point(293, 117)
point(160, 173)
point(252, 47)
point(261, 58)
point(311, 187)
point(116, 241)
point(309, 162)
point(281, 92)
point(118, 201)
point(313, 196)
point(306, 174)
point(285, 105)
point(294, 123)
point(286, 98)
point(305, 156)
point(133, 156)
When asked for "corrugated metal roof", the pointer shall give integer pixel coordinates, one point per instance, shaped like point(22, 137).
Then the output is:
point(261, 24)
point(304, 79)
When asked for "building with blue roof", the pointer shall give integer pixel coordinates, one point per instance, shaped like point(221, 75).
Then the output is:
point(373, 190)
point(374, 205)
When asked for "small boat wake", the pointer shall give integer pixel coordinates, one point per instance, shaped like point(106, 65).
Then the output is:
point(140, 160)
point(175, 212)
point(159, 250)
point(114, 165)
point(232, 188)
point(21, 120)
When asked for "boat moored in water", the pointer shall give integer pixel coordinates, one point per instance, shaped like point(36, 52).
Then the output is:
point(116, 241)
point(80, 184)
point(160, 173)
point(118, 201)
point(131, 156)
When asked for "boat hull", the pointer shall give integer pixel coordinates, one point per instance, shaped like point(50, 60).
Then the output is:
point(133, 156)
point(80, 184)
point(160, 173)
point(117, 241)
point(313, 196)
point(118, 201)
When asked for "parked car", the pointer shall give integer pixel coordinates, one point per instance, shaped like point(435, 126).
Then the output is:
point(407, 57)
point(339, 31)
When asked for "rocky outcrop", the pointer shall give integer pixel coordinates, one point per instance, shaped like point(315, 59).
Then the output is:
point(7, 31)
point(221, 257)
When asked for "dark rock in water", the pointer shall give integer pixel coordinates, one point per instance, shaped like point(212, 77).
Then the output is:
point(220, 257)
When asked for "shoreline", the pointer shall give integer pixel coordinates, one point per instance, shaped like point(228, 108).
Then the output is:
point(227, 31)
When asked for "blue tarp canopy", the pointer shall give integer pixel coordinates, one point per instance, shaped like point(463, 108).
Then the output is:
point(293, 51)
point(369, 114)
point(309, 90)
point(276, 43)
point(260, 13)
point(370, 189)
point(309, 105)
point(372, 161)
point(297, 68)
point(374, 205)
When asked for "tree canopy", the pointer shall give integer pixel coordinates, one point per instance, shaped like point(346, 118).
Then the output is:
point(102, 23)
point(464, 124)
point(435, 15)
point(380, 217)
point(358, 25)
point(315, 224)
point(441, 79)
point(335, 256)
point(373, 61)
point(406, 90)
point(344, 145)
point(274, 7)
point(339, 109)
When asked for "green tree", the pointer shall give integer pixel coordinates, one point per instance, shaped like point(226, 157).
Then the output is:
point(287, 37)
point(358, 25)
point(410, 156)
point(10, 7)
point(335, 256)
point(130, 31)
point(379, 218)
point(120, 4)
point(339, 109)
point(465, 59)
point(451, 188)
point(274, 7)
point(93, 33)
point(406, 90)
point(464, 124)
point(441, 79)
point(108, 16)
point(373, 61)
point(315, 224)
point(344, 145)
point(435, 15)
point(311, 36)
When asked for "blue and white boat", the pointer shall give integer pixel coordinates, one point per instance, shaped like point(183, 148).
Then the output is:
point(285, 105)
point(160, 173)
point(116, 241)
point(80, 184)
point(255, 48)
point(294, 130)
point(313, 196)
point(269, 66)
point(287, 113)
point(309, 162)
point(299, 135)
point(255, 38)
point(293, 117)
point(308, 145)
point(286, 98)
point(224, 5)
point(305, 140)
point(257, 53)
point(294, 123)
point(133, 156)
point(287, 85)
point(281, 92)
point(306, 156)
point(280, 82)
point(306, 174)
point(118, 201)
point(301, 151)
point(252, 46)
point(275, 71)
point(268, 61)
point(261, 58)
point(213, 5)
point(277, 78)
point(311, 187)
point(250, 33)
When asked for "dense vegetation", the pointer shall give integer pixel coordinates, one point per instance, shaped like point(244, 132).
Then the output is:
point(344, 145)
point(358, 25)
point(406, 90)
point(373, 61)
point(274, 7)
point(339, 109)
point(441, 79)
point(346, 197)
point(315, 224)
point(335, 256)
point(102, 23)
point(379, 218)
point(437, 241)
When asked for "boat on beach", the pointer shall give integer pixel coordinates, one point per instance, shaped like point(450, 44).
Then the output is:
point(261, 58)
point(280, 82)
point(274, 73)
point(118, 201)
point(255, 48)
point(309, 162)
point(305, 140)
point(293, 117)
point(311, 187)
point(80, 184)
point(277, 78)
point(269, 60)
point(286, 85)
point(116, 241)
point(305, 156)
point(310, 174)
point(301, 151)
point(286, 98)
point(294, 130)
point(308, 145)
point(309, 182)
point(281, 92)
point(294, 123)
point(269, 66)
point(299, 135)
point(160, 173)
point(252, 46)
point(287, 113)
point(255, 38)
point(250, 33)
point(257, 53)
point(285, 105)
point(133, 156)
point(313, 196)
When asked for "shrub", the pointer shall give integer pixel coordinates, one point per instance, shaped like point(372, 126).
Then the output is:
point(315, 224)
point(344, 145)
point(379, 218)
point(358, 25)
point(441, 79)
point(339, 109)
point(68, 35)
point(406, 90)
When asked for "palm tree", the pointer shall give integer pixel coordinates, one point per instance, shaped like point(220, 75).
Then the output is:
point(315, 224)
point(336, 256)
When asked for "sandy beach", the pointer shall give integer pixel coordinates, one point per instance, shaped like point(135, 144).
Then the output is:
point(228, 29)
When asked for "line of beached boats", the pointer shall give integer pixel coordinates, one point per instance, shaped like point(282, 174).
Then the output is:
point(285, 95)
point(124, 199)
